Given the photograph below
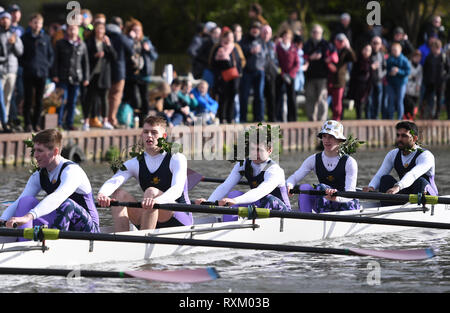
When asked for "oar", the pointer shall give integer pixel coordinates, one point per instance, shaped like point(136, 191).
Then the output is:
point(265, 213)
point(174, 276)
point(53, 234)
point(194, 178)
point(412, 198)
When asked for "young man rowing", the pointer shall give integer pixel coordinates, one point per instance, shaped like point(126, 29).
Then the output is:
point(69, 204)
point(265, 178)
point(335, 172)
point(414, 165)
point(161, 176)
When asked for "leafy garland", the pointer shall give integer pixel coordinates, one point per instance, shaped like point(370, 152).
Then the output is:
point(350, 146)
point(30, 144)
point(117, 159)
point(417, 143)
point(253, 132)
point(169, 147)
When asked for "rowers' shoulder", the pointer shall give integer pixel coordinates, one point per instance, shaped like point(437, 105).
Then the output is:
point(178, 159)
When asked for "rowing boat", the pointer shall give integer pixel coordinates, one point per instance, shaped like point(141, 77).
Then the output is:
point(273, 230)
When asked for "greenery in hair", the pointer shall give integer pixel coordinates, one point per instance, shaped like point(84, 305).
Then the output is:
point(116, 158)
point(169, 147)
point(350, 146)
point(30, 144)
point(257, 132)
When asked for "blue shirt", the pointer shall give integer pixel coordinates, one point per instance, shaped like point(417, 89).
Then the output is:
point(404, 68)
point(206, 104)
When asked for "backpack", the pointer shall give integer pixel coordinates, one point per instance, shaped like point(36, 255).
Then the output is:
point(125, 115)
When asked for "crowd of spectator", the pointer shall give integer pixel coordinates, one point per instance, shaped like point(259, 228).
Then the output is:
point(380, 74)
point(99, 64)
point(106, 65)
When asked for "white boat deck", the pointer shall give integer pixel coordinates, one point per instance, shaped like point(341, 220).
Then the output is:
point(65, 252)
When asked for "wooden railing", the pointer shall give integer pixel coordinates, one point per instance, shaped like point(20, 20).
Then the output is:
point(297, 136)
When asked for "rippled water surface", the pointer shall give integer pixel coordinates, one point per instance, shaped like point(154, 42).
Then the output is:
point(260, 271)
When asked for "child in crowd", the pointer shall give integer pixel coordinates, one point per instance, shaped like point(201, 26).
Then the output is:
point(175, 110)
point(398, 70)
point(207, 106)
point(185, 95)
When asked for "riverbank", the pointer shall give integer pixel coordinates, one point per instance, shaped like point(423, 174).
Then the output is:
point(296, 136)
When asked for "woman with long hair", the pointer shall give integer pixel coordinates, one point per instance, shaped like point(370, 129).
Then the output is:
point(226, 57)
point(101, 54)
point(139, 69)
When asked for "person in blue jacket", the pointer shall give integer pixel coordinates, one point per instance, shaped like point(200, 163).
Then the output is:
point(398, 69)
point(207, 106)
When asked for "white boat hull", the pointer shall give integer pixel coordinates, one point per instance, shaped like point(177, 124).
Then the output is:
point(72, 253)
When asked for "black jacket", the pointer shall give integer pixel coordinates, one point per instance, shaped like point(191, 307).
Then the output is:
point(37, 58)
point(104, 80)
point(317, 68)
point(123, 46)
point(255, 62)
point(434, 69)
point(71, 63)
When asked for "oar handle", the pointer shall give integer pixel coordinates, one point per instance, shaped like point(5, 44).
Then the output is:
point(3, 224)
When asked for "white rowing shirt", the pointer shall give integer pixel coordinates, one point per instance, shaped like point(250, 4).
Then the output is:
point(273, 178)
point(177, 166)
point(73, 179)
point(330, 163)
point(424, 165)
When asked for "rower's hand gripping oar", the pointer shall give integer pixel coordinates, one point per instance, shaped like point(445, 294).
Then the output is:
point(3, 224)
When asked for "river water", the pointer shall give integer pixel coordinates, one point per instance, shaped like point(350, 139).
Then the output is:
point(267, 272)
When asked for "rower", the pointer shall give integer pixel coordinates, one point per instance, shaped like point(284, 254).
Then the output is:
point(335, 172)
point(265, 178)
point(69, 204)
point(161, 176)
point(414, 165)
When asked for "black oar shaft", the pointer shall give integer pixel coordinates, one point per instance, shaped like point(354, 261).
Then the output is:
point(427, 199)
point(55, 234)
point(76, 235)
point(212, 209)
point(60, 272)
point(220, 180)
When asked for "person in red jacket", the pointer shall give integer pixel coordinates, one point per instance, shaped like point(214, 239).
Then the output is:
point(289, 64)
